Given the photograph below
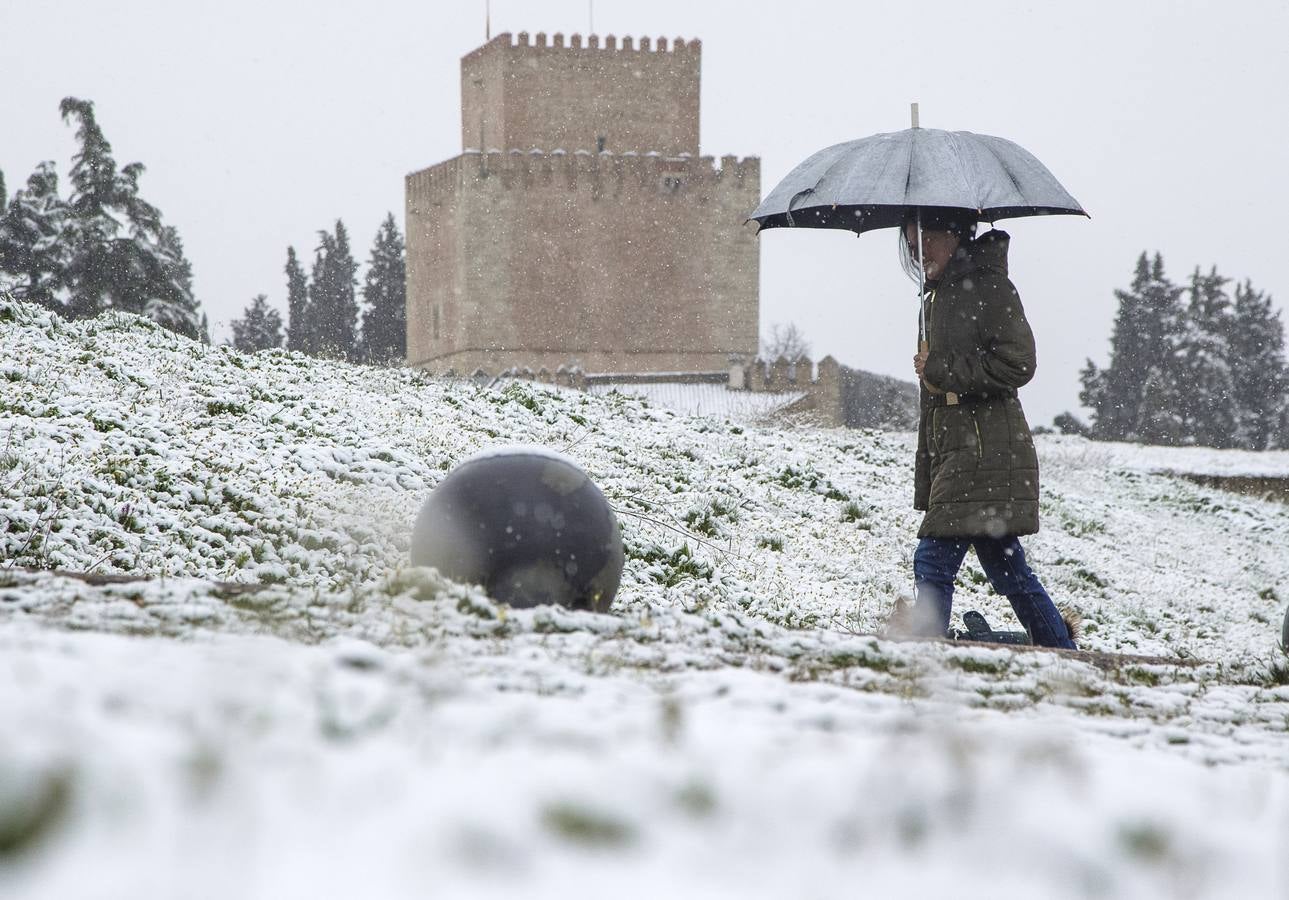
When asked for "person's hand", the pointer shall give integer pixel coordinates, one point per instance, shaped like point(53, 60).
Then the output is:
point(919, 362)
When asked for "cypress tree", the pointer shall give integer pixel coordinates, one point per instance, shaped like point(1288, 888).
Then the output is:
point(333, 305)
point(121, 255)
point(1144, 336)
point(322, 297)
point(1259, 371)
point(260, 327)
point(297, 306)
point(165, 290)
point(1205, 389)
point(33, 245)
point(384, 334)
point(99, 265)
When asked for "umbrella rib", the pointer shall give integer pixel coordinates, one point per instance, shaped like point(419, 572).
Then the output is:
point(1008, 172)
point(961, 165)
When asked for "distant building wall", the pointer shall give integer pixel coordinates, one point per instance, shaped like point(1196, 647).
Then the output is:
point(619, 263)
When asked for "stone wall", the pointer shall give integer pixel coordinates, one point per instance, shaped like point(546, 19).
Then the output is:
point(616, 262)
point(835, 395)
point(639, 96)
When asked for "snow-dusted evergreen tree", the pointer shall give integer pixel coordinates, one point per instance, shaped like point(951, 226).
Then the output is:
point(166, 288)
point(1259, 370)
point(33, 246)
point(259, 328)
point(1145, 328)
point(121, 255)
point(298, 333)
point(384, 335)
point(321, 296)
point(1159, 415)
point(1205, 386)
point(333, 305)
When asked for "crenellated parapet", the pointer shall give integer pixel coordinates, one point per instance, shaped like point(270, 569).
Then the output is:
point(583, 170)
point(593, 42)
point(784, 375)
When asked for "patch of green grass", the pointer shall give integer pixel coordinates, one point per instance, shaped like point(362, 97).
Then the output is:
point(1145, 841)
point(1277, 673)
point(25, 822)
point(517, 393)
point(674, 567)
point(103, 425)
point(978, 666)
point(1141, 675)
point(225, 407)
point(770, 542)
point(702, 522)
point(848, 659)
point(580, 825)
point(697, 799)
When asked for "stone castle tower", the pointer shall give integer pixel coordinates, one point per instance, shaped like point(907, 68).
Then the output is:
point(580, 225)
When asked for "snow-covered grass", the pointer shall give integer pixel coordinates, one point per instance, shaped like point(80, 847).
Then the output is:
point(714, 400)
point(360, 727)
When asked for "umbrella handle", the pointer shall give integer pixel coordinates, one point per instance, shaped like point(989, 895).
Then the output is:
point(922, 335)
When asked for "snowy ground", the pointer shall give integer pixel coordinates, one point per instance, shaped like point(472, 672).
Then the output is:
point(361, 728)
point(714, 400)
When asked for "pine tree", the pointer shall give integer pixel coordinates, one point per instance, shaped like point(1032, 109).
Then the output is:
point(1146, 325)
point(297, 306)
point(121, 256)
point(33, 245)
point(260, 327)
point(165, 290)
point(1159, 410)
point(384, 334)
point(1205, 394)
point(1259, 372)
point(322, 299)
point(333, 307)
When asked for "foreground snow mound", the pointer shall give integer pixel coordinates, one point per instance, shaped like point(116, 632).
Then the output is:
point(284, 708)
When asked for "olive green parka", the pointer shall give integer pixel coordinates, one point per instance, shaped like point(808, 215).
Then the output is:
point(976, 468)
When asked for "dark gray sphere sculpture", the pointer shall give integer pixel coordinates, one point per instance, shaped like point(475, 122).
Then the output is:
point(528, 525)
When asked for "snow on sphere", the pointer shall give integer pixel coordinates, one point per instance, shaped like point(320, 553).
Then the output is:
point(528, 525)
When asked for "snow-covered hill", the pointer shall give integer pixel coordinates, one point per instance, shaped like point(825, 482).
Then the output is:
point(359, 727)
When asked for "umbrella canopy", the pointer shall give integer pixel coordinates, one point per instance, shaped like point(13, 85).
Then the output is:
point(873, 182)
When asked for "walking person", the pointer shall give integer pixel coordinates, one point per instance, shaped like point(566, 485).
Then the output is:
point(976, 474)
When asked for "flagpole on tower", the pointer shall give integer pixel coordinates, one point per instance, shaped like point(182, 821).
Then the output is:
point(487, 20)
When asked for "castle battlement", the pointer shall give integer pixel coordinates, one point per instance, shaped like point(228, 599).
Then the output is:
point(580, 169)
point(592, 42)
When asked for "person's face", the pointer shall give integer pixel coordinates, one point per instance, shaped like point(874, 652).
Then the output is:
point(938, 248)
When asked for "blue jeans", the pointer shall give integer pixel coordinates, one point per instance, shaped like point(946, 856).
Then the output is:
point(937, 560)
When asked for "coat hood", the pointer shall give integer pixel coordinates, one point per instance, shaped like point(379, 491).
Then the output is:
point(989, 251)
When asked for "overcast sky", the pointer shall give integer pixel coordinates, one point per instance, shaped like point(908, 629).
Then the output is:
point(262, 122)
